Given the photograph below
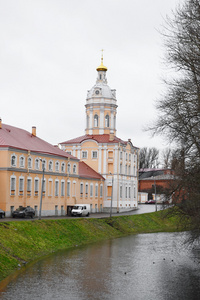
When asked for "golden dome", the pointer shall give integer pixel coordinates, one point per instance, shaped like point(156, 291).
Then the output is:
point(101, 67)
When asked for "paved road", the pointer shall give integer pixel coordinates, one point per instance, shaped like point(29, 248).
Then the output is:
point(142, 208)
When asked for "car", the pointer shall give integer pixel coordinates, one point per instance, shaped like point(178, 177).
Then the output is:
point(150, 202)
point(23, 212)
point(2, 213)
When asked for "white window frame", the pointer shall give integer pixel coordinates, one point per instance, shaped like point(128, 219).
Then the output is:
point(86, 189)
point(21, 161)
point(121, 191)
point(62, 167)
point(68, 188)
point(50, 165)
point(56, 188)
point(30, 162)
point(96, 120)
point(101, 190)
point(36, 186)
point(62, 188)
point(91, 190)
point(50, 187)
point(94, 151)
point(84, 156)
point(74, 168)
point(37, 163)
point(69, 168)
point(12, 185)
point(57, 166)
point(13, 163)
point(81, 189)
point(96, 190)
point(29, 185)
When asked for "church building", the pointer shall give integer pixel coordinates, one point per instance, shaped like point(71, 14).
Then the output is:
point(115, 159)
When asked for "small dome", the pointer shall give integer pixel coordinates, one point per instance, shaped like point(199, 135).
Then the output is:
point(104, 89)
point(101, 67)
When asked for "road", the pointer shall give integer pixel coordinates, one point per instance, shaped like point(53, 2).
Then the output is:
point(142, 208)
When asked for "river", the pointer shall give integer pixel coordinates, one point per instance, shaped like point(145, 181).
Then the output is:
point(156, 266)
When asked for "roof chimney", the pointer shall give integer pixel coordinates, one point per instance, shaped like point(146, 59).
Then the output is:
point(0, 123)
point(33, 130)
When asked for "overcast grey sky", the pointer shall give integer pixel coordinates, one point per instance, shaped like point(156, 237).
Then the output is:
point(48, 57)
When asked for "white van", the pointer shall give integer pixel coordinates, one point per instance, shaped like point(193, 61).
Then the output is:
point(81, 210)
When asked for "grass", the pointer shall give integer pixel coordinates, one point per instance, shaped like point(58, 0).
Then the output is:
point(22, 242)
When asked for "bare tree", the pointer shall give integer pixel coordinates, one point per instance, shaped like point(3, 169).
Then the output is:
point(149, 158)
point(179, 108)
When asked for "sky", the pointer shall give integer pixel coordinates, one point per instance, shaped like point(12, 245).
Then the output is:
point(49, 53)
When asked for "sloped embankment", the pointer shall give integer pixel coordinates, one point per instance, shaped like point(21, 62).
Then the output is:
point(25, 241)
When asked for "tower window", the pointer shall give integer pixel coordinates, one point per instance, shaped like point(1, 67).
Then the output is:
point(95, 120)
point(107, 121)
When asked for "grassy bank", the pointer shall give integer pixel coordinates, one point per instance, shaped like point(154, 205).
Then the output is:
point(22, 242)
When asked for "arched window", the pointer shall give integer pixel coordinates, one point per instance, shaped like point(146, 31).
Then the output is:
point(63, 167)
point(57, 166)
point(29, 162)
point(21, 161)
point(37, 163)
point(74, 169)
point(68, 168)
point(95, 120)
point(50, 165)
point(13, 160)
point(107, 121)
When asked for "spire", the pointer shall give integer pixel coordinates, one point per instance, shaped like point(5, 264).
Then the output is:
point(101, 67)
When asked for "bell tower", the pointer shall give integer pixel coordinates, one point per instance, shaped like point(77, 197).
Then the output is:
point(101, 106)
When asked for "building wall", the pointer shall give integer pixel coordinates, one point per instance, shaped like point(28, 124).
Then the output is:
point(20, 184)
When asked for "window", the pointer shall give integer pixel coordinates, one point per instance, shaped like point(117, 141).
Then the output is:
point(57, 166)
point(63, 167)
point(94, 154)
point(134, 171)
point(120, 154)
point(62, 188)
point(107, 123)
point(129, 170)
point(29, 163)
point(81, 189)
point(134, 192)
point(50, 165)
point(56, 188)
point(12, 185)
point(95, 120)
point(86, 189)
point(21, 186)
point(68, 188)
point(126, 156)
point(91, 190)
point(13, 160)
point(74, 169)
point(120, 169)
point(36, 186)
point(84, 154)
point(44, 187)
point(126, 192)
point(37, 163)
point(101, 190)
point(21, 162)
point(129, 157)
point(96, 190)
point(129, 192)
point(43, 164)
point(120, 191)
point(69, 152)
point(50, 187)
point(126, 170)
point(29, 184)
point(68, 168)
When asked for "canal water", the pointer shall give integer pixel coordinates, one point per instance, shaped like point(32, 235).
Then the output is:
point(156, 266)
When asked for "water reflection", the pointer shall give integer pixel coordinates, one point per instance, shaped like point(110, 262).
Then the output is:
point(148, 266)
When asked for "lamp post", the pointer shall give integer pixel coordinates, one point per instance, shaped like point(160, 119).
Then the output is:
point(111, 198)
point(43, 167)
point(155, 194)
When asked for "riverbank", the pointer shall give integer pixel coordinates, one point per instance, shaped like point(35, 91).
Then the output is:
point(22, 242)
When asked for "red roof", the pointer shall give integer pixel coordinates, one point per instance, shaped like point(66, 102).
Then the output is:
point(21, 139)
point(100, 138)
point(87, 172)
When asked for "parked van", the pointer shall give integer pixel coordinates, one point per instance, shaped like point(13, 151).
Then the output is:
point(81, 210)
